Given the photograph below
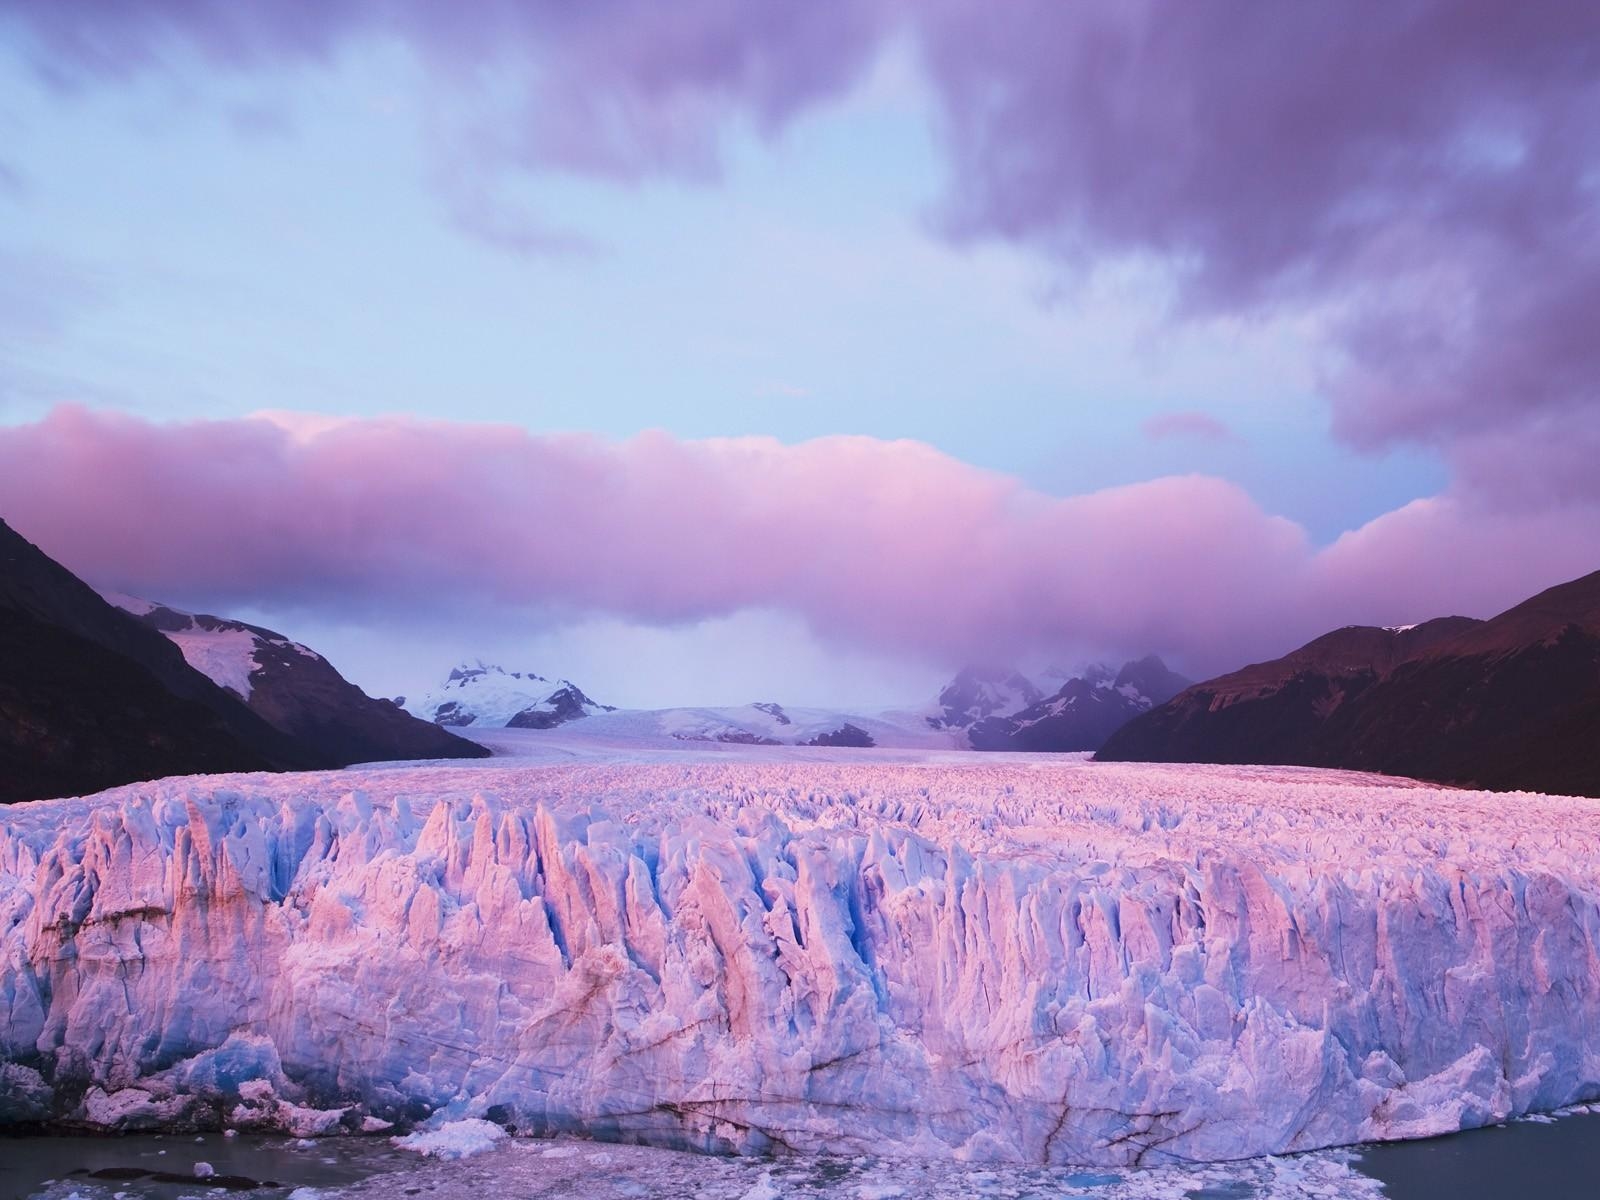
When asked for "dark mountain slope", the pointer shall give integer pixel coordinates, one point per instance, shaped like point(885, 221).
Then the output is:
point(90, 698)
point(1513, 702)
point(1275, 711)
point(299, 693)
point(76, 718)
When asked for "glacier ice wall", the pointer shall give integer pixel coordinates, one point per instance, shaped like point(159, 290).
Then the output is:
point(1068, 962)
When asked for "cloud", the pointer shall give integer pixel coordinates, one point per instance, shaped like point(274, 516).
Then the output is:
point(261, 122)
point(1423, 183)
point(1445, 555)
point(1190, 424)
point(477, 211)
point(1421, 187)
point(620, 88)
point(1423, 180)
point(888, 546)
point(617, 89)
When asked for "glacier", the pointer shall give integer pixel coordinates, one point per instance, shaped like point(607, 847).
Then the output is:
point(984, 958)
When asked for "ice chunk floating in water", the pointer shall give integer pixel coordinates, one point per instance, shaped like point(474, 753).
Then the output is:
point(1027, 961)
point(454, 1139)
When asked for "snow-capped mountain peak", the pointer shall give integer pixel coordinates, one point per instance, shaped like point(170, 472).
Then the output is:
point(1083, 712)
point(479, 669)
point(487, 695)
point(979, 692)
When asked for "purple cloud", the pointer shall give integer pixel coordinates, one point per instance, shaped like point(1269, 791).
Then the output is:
point(619, 88)
point(1422, 173)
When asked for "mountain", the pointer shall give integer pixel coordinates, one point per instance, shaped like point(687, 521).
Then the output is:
point(485, 695)
point(847, 735)
point(297, 691)
point(1269, 709)
point(90, 697)
point(1085, 711)
point(977, 693)
point(1508, 703)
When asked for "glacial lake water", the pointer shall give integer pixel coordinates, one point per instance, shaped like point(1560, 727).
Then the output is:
point(26, 1163)
point(1558, 1160)
point(1525, 1160)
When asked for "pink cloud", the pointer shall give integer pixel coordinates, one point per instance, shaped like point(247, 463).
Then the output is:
point(1446, 554)
point(888, 545)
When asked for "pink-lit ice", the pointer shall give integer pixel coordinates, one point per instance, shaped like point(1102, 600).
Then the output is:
point(859, 952)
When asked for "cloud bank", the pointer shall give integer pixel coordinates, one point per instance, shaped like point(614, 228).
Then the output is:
point(890, 546)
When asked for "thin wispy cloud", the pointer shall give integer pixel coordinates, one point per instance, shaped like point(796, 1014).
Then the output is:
point(1191, 424)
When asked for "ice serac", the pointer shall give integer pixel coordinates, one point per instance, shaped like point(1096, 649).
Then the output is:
point(1053, 961)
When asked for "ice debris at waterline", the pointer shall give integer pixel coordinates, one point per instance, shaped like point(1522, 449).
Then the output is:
point(1045, 962)
point(454, 1139)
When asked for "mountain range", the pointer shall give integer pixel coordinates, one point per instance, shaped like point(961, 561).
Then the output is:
point(1002, 709)
point(982, 708)
point(484, 696)
point(1508, 703)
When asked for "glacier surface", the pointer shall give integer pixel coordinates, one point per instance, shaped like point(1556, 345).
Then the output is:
point(984, 958)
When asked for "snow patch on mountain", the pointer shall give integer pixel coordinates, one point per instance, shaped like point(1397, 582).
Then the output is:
point(737, 948)
point(226, 656)
point(995, 711)
point(129, 604)
point(225, 651)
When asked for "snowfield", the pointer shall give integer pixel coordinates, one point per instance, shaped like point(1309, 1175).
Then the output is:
point(901, 953)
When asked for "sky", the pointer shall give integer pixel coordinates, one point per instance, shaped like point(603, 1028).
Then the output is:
point(722, 351)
